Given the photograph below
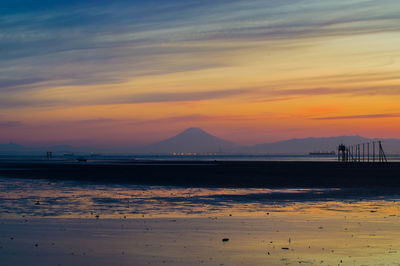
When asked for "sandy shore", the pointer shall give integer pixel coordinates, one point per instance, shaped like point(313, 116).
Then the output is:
point(274, 239)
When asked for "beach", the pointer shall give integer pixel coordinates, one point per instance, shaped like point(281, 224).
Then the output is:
point(274, 239)
point(67, 222)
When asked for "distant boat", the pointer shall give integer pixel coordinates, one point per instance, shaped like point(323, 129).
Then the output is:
point(322, 153)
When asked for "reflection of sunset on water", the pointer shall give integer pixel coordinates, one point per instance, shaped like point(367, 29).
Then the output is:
point(74, 199)
point(272, 226)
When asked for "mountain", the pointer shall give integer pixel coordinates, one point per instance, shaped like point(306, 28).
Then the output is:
point(11, 148)
point(196, 140)
point(16, 149)
point(192, 140)
point(307, 145)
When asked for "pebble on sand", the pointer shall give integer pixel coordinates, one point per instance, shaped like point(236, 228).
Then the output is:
point(225, 239)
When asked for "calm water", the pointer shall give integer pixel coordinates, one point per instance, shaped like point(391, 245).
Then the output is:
point(157, 225)
point(41, 198)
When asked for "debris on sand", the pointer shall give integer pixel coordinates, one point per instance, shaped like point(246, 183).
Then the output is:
point(305, 261)
point(285, 248)
point(225, 239)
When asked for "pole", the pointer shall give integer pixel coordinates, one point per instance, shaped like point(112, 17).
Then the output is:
point(380, 153)
point(368, 152)
point(363, 159)
point(373, 154)
point(352, 152)
point(357, 153)
point(338, 154)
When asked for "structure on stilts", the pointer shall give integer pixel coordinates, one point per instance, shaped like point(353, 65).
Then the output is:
point(362, 153)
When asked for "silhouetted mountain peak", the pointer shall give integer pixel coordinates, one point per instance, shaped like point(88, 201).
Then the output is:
point(193, 131)
point(11, 145)
point(191, 140)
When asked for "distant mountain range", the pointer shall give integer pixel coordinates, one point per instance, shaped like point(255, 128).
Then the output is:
point(306, 145)
point(196, 140)
point(16, 149)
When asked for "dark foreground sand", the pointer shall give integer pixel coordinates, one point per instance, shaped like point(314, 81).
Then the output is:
point(362, 238)
point(211, 173)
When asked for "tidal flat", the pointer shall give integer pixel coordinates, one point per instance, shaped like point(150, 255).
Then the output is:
point(75, 223)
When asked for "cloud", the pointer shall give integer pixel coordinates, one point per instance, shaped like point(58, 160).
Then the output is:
point(368, 116)
point(288, 94)
point(71, 42)
point(173, 119)
point(250, 94)
point(11, 83)
point(176, 97)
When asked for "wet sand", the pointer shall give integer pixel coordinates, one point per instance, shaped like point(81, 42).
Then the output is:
point(274, 239)
point(211, 173)
point(105, 222)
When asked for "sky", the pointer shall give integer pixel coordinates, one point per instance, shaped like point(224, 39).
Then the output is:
point(121, 73)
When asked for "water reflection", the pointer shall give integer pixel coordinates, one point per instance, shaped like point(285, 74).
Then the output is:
point(40, 198)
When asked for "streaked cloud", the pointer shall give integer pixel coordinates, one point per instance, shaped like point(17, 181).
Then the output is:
point(84, 43)
point(177, 97)
point(368, 116)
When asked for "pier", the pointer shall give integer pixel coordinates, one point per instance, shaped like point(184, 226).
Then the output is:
point(364, 152)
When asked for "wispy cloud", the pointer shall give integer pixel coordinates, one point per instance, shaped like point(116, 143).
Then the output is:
point(177, 97)
point(250, 94)
point(274, 94)
point(83, 43)
point(368, 116)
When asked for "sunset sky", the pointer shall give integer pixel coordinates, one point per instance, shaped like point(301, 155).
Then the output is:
point(134, 72)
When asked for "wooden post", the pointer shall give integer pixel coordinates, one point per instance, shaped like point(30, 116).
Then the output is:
point(373, 154)
point(363, 159)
